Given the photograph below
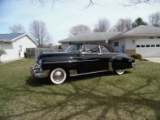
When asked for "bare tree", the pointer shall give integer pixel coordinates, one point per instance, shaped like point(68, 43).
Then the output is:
point(102, 26)
point(155, 19)
point(43, 2)
point(93, 2)
point(17, 28)
point(39, 32)
point(76, 30)
point(123, 25)
point(135, 2)
point(49, 39)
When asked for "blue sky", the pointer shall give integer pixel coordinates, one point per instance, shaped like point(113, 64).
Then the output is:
point(60, 17)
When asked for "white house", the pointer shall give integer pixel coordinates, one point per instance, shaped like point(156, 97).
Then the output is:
point(14, 45)
point(144, 40)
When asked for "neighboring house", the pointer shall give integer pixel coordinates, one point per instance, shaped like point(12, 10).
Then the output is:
point(100, 37)
point(15, 44)
point(144, 40)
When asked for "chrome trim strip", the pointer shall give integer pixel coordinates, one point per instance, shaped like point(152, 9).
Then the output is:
point(88, 60)
point(70, 61)
point(85, 53)
point(88, 73)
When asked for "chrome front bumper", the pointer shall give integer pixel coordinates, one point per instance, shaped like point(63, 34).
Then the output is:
point(39, 73)
point(134, 64)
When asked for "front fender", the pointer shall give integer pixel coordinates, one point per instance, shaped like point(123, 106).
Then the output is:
point(120, 62)
point(64, 62)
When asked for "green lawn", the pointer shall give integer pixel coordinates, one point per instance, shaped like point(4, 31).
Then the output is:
point(105, 96)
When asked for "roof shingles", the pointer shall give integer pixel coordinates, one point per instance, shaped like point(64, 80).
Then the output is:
point(10, 36)
point(87, 37)
point(141, 30)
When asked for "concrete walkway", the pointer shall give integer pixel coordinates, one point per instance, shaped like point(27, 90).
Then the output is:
point(154, 59)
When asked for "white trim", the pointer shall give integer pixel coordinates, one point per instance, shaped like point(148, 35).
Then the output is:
point(18, 37)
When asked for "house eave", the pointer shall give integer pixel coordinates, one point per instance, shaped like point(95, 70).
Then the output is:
point(5, 41)
point(135, 36)
point(18, 37)
point(81, 41)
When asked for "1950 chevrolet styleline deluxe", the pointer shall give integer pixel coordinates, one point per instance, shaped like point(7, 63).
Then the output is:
point(79, 59)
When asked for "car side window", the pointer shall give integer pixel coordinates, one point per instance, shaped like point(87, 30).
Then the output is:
point(104, 50)
point(73, 48)
point(91, 49)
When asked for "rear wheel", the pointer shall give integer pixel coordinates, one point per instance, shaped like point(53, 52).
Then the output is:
point(58, 76)
point(120, 71)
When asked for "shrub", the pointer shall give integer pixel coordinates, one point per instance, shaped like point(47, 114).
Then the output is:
point(2, 52)
point(137, 56)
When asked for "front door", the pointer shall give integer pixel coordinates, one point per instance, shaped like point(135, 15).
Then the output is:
point(90, 59)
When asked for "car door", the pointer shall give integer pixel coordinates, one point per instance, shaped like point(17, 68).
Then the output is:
point(90, 59)
point(105, 57)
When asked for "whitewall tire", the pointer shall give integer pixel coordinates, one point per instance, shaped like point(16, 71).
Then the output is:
point(120, 71)
point(58, 76)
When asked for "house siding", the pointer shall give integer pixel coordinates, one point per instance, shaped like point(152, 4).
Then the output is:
point(65, 45)
point(121, 45)
point(130, 43)
point(11, 53)
point(13, 49)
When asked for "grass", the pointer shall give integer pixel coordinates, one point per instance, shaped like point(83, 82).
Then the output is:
point(132, 96)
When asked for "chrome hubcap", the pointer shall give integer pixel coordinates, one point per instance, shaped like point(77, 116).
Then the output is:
point(58, 75)
point(120, 72)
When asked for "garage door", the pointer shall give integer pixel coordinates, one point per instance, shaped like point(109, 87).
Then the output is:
point(148, 47)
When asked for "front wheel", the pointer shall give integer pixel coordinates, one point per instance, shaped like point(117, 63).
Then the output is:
point(120, 71)
point(58, 76)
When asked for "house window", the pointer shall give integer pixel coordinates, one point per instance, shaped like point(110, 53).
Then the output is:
point(142, 45)
point(152, 45)
point(147, 45)
point(158, 45)
point(137, 46)
point(116, 44)
point(151, 37)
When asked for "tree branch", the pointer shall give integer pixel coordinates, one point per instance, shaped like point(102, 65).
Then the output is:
point(136, 2)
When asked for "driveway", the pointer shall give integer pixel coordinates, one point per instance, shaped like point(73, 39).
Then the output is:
point(156, 59)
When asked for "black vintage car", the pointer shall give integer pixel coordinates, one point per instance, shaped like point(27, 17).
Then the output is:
point(80, 59)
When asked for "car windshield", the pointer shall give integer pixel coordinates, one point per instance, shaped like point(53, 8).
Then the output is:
point(74, 48)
